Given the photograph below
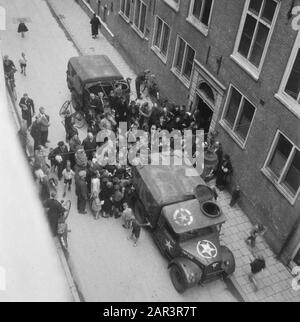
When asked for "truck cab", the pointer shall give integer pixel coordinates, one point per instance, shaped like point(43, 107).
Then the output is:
point(186, 224)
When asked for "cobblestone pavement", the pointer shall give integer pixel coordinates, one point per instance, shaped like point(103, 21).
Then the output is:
point(274, 283)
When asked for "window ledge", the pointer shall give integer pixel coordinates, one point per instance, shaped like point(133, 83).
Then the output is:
point(185, 81)
point(141, 35)
point(279, 187)
point(121, 14)
point(238, 141)
point(289, 103)
point(160, 56)
point(246, 66)
point(172, 5)
point(198, 25)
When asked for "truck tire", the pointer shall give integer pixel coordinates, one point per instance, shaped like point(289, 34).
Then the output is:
point(178, 279)
point(228, 256)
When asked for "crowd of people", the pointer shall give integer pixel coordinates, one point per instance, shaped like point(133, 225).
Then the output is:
point(107, 187)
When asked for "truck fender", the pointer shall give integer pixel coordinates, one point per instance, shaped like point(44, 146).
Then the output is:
point(189, 269)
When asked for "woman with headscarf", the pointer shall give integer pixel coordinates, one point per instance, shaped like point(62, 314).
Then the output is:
point(95, 24)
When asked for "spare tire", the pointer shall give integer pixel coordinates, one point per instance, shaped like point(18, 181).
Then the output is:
point(211, 209)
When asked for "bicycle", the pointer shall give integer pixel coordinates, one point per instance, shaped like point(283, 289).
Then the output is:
point(10, 81)
point(62, 228)
point(68, 109)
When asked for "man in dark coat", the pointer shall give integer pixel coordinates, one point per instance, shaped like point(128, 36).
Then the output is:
point(141, 78)
point(43, 121)
point(224, 172)
point(55, 211)
point(35, 133)
point(60, 157)
point(95, 25)
point(90, 145)
point(27, 107)
point(81, 192)
point(69, 126)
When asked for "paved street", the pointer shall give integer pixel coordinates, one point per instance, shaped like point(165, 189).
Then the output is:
point(105, 265)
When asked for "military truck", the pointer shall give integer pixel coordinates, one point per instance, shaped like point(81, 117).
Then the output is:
point(185, 221)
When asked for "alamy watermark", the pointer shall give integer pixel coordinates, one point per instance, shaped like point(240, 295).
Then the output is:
point(137, 147)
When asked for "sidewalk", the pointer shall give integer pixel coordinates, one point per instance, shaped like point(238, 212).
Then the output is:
point(275, 281)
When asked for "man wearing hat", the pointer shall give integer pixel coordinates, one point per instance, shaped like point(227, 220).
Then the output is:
point(60, 158)
point(55, 210)
point(81, 192)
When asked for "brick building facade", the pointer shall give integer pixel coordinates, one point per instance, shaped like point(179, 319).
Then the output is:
point(238, 62)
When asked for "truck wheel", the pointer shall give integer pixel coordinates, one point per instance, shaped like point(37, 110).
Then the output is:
point(178, 279)
point(228, 258)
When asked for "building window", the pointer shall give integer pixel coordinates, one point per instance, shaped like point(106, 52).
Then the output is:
point(289, 91)
point(174, 4)
point(199, 14)
point(183, 59)
point(140, 12)
point(238, 115)
point(125, 8)
point(283, 165)
point(254, 34)
point(161, 37)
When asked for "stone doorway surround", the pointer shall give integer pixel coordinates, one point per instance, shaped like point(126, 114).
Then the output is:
point(202, 76)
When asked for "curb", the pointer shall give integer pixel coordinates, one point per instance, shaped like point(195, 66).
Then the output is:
point(235, 289)
point(77, 297)
point(63, 27)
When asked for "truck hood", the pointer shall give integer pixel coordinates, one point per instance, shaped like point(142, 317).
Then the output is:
point(206, 250)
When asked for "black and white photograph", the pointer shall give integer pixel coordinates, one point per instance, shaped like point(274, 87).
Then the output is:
point(150, 153)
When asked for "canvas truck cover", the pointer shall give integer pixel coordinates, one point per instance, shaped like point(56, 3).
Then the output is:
point(95, 68)
point(159, 186)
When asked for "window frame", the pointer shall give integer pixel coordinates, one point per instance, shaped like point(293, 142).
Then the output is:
point(279, 182)
point(173, 4)
point(157, 50)
point(224, 122)
point(243, 62)
point(288, 101)
point(180, 74)
point(137, 28)
point(197, 22)
point(122, 14)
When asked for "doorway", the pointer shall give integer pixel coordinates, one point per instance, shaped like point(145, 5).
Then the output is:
point(204, 115)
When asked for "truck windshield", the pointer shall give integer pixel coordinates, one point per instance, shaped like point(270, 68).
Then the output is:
point(197, 233)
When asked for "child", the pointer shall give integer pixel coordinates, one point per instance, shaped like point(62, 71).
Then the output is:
point(127, 215)
point(235, 196)
point(22, 28)
point(257, 265)
point(96, 205)
point(68, 175)
point(23, 64)
point(136, 231)
point(255, 232)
